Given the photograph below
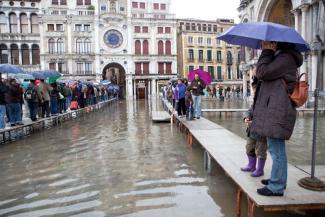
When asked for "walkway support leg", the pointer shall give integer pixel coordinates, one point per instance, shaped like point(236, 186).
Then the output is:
point(190, 139)
point(238, 202)
point(250, 208)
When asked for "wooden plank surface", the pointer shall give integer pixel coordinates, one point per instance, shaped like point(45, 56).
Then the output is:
point(160, 116)
point(228, 150)
point(244, 110)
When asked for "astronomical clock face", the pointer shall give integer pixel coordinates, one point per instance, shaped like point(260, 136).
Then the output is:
point(113, 38)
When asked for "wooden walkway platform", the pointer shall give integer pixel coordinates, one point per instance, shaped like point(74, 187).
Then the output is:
point(227, 112)
point(19, 132)
point(160, 116)
point(228, 150)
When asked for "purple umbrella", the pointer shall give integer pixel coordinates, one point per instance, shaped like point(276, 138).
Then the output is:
point(252, 34)
point(205, 76)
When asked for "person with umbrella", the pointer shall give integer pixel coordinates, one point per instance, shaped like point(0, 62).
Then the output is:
point(197, 86)
point(13, 100)
point(3, 90)
point(274, 114)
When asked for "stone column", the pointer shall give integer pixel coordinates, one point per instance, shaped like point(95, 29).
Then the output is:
point(29, 22)
point(153, 87)
point(313, 71)
point(304, 26)
point(245, 84)
point(20, 54)
point(30, 55)
point(296, 14)
point(129, 86)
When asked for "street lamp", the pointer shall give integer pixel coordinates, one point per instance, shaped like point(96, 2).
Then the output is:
point(312, 182)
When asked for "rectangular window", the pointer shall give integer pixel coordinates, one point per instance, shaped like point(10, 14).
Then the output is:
point(156, 6)
point(190, 39)
point(55, 2)
point(218, 42)
point(61, 67)
point(52, 66)
point(219, 56)
point(209, 41)
point(103, 8)
point(87, 28)
point(146, 68)
point(50, 27)
point(219, 72)
point(59, 27)
point(80, 70)
point(190, 68)
point(204, 27)
point(145, 29)
point(142, 5)
point(162, 6)
point(63, 2)
point(200, 40)
point(78, 27)
point(167, 30)
point(191, 54)
point(211, 71)
point(215, 29)
point(88, 68)
point(80, 2)
point(134, 15)
point(209, 55)
point(161, 68)
point(138, 68)
point(201, 55)
point(168, 68)
point(201, 68)
point(87, 2)
point(137, 29)
point(209, 28)
point(160, 30)
point(163, 16)
point(134, 4)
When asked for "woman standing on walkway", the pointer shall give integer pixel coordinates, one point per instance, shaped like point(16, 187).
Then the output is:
point(274, 114)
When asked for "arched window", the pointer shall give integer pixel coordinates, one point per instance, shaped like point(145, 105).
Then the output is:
point(3, 23)
point(79, 43)
point(25, 54)
point(145, 47)
point(229, 57)
point(14, 53)
point(160, 47)
point(51, 45)
point(34, 23)
point(60, 44)
point(168, 48)
point(13, 23)
point(3, 53)
point(87, 46)
point(35, 54)
point(23, 23)
point(137, 47)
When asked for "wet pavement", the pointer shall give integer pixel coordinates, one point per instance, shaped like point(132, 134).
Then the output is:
point(115, 162)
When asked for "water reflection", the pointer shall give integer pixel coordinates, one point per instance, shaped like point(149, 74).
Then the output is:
point(112, 163)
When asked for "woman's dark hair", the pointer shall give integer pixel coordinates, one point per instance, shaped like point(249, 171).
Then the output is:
point(285, 46)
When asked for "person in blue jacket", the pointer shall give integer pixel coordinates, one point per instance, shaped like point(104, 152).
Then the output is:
point(180, 91)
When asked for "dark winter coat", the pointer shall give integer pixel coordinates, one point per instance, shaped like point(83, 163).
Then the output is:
point(197, 87)
point(274, 114)
point(3, 90)
point(14, 95)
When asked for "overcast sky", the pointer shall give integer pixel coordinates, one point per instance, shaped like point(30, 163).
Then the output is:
point(206, 9)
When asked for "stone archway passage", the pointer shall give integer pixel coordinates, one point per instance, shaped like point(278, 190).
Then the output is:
point(280, 12)
point(115, 73)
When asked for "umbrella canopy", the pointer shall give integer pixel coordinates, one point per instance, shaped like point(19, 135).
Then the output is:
point(51, 73)
point(53, 79)
point(253, 33)
point(10, 69)
point(38, 75)
point(205, 76)
point(105, 82)
point(23, 76)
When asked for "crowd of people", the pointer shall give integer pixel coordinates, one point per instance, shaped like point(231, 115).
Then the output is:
point(43, 99)
point(186, 98)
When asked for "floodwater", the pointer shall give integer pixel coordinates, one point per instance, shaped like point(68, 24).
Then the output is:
point(115, 162)
point(298, 147)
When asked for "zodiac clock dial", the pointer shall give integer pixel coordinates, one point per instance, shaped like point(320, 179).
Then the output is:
point(113, 38)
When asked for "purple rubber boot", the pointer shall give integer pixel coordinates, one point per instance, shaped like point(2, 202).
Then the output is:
point(251, 166)
point(260, 168)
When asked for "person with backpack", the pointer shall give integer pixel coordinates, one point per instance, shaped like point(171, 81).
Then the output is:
point(33, 97)
point(45, 90)
point(197, 86)
point(274, 114)
point(3, 91)
point(54, 99)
